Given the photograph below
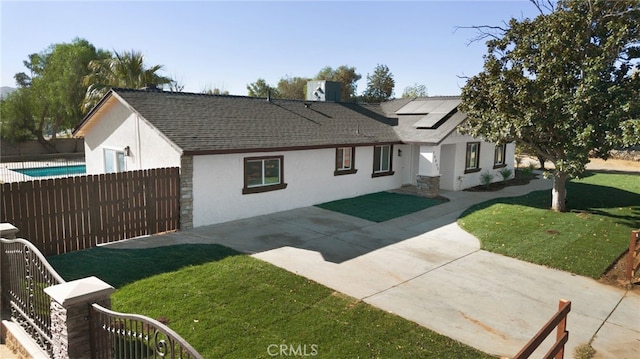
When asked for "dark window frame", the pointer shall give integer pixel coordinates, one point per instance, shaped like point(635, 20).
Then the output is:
point(264, 187)
point(339, 162)
point(468, 168)
point(381, 173)
point(502, 163)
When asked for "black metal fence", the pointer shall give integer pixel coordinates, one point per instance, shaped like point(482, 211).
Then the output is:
point(25, 275)
point(120, 335)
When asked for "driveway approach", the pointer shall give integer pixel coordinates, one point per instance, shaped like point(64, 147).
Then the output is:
point(424, 268)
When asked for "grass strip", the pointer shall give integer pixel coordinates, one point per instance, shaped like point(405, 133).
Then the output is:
point(236, 306)
point(586, 240)
point(380, 206)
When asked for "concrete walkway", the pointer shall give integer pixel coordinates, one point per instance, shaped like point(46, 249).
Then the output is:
point(424, 268)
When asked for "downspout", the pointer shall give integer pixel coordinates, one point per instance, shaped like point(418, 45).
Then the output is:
point(138, 144)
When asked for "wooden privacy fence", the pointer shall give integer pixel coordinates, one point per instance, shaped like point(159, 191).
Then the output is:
point(558, 320)
point(633, 261)
point(67, 214)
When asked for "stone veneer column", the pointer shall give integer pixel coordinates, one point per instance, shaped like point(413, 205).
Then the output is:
point(70, 306)
point(186, 192)
point(428, 186)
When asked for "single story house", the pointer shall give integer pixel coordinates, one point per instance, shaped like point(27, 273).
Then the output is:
point(242, 157)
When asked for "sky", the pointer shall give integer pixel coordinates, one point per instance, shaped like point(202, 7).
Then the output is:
point(227, 45)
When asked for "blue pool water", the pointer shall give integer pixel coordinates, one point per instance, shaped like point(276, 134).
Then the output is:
point(53, 171)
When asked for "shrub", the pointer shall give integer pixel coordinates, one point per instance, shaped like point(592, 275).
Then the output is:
point(486, 178)
point(506, 174)
point(528, 171)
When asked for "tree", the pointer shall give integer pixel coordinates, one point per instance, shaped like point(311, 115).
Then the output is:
point(347, 77)
point(292, 87)
point(214, 91)
point(261, 88)
point(126, 70)
point(48, 98)
point(415, 90)
point(561, 84)
point(379, 85)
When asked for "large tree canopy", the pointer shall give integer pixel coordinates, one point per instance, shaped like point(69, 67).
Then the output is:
point(126, 69)
point(347, 77)
point(261, 88)
point(562, 83)
point(292, 87)
point(380, 85)
point(48, 98)
point(415, 90)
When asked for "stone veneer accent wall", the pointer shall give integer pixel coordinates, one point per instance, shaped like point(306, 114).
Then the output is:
point(428, 186)
point(186, 192)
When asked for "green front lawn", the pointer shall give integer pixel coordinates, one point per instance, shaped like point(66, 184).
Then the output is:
point(237, 306)
point(586, 240)
point(381, 206)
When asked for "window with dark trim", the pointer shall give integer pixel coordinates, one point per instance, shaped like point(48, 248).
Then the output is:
point(263, 174)
point(382, 161)
point(499, 156)
point(472, 157)
point(345, 161)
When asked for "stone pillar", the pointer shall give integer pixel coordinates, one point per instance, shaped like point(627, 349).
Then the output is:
point(186, 192)
point(8, 231)
point(70, 310)
point(428, 186)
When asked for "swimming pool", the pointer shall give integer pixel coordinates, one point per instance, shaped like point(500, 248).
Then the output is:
point(53, 171)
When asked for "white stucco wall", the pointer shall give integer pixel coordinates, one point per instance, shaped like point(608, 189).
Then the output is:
point(218, 181)
point(448, 161)
point(460, 180)
point(118, 128)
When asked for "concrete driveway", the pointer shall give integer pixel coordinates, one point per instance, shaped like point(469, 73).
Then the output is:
point(424, 268)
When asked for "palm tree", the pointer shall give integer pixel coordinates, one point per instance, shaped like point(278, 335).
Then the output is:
point(126, 70)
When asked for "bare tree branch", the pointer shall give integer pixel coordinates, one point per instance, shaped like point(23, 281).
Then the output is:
point(484, 32)
point(543, 5)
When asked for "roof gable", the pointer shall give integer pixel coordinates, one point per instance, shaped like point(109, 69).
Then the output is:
point(426, 119)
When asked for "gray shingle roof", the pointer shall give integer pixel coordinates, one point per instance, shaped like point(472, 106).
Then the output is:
point(408, 115)
point(200, 123)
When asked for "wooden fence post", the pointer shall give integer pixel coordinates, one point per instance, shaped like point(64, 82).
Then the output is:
point(634, 247)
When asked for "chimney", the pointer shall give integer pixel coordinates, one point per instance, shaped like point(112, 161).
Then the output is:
point(150, 87)
point(324, 91)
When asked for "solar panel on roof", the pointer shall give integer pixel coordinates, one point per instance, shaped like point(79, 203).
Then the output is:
point(410, 108)
point(430, 106)
point(429, 120)
point(436, 111)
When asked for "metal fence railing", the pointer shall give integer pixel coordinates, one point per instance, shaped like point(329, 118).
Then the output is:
point(120, 335)
point(25, 275)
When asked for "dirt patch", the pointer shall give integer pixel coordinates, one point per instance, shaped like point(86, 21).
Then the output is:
point(616, 276)
point(518, 180)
